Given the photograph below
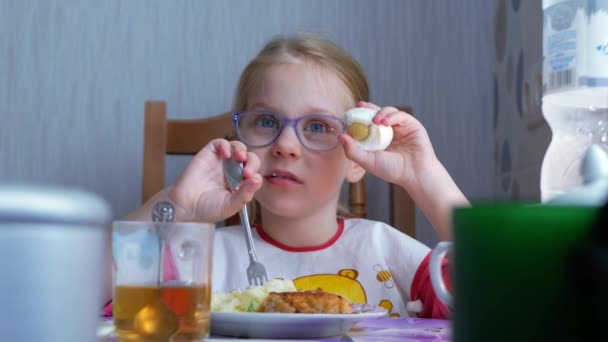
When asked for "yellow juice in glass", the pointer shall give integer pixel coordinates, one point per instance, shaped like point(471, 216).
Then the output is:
point(171, 312)
point(162, 280)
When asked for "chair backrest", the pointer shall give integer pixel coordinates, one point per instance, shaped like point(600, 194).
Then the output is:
point(164, 136)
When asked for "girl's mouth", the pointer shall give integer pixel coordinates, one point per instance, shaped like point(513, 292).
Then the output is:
point(282, 177)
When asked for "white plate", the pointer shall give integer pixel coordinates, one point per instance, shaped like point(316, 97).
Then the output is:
point(282, 325)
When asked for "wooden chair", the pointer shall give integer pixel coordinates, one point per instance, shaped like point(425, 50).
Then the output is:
point(164, 136)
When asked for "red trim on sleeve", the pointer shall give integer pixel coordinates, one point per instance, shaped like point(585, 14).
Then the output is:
point(107, 310)
point(422, 289)
point(327, 244)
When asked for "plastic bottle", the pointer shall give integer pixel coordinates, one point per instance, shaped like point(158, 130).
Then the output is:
point(575, 88)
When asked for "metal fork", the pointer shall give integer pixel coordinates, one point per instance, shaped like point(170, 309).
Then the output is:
point(256, 272)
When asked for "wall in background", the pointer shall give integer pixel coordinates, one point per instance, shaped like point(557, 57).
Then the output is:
point(75, 75)
point(522, 134)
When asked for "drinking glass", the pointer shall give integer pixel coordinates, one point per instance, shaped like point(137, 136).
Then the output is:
point(162, 280)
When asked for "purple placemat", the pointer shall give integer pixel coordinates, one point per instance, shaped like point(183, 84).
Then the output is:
point(401, 329)
point(380, 329)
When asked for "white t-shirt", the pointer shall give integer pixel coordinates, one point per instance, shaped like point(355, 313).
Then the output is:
point(366, 262)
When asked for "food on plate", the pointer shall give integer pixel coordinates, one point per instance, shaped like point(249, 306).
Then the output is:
point(369, 136)
point(306, 302)
point(250, 298)
point(279, 295)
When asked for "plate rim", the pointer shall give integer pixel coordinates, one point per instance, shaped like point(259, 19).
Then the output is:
point(341, 322)
point(371, 311)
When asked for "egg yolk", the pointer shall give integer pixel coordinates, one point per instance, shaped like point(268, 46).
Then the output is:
point(358, 131)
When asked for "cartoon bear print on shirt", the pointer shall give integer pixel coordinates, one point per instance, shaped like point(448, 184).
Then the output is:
point(344, 284)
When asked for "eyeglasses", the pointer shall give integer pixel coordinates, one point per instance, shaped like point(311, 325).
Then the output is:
point(316, 132)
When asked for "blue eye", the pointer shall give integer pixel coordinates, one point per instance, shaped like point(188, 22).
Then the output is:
point(266, 121)
point(318, 127)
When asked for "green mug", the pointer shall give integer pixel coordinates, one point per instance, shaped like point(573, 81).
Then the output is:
point(509, 268)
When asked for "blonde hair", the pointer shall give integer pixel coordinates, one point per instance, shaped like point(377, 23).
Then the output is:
point(308, 48)
point(304, 47)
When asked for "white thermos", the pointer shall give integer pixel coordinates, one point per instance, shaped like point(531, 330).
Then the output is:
point(52, 245)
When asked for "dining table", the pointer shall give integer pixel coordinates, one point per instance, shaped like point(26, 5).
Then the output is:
point(402, 329)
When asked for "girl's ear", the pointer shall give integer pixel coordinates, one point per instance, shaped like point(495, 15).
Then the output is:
point(355, 173)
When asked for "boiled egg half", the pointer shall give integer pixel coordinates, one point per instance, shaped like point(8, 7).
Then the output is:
point(369, 136)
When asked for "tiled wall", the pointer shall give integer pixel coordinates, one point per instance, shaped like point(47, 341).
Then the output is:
point(522, 135)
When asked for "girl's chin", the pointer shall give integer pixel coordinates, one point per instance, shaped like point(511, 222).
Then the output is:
point(282, 209)
point(283, 205)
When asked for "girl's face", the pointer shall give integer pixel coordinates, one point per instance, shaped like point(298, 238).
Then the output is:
point(298, 181)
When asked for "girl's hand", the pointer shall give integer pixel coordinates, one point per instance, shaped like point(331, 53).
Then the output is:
point(411, 162)
point(408, 154)
point(201, 192)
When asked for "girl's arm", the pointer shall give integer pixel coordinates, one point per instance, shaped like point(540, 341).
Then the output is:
point(200, 193)
point(410, 162)
point(436, 193)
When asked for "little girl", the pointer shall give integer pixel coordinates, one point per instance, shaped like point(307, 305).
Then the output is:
point(296, 90)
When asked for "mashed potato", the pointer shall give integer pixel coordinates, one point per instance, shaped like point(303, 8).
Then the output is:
point(249, 299)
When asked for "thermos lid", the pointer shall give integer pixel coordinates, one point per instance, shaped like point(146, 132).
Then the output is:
point(23, 203)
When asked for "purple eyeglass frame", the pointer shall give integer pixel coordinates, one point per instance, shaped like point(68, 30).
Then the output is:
point(284, 123)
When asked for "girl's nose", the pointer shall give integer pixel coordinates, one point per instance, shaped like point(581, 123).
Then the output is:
point(287, 145)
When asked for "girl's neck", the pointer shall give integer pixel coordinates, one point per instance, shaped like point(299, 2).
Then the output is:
point(306, 231)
